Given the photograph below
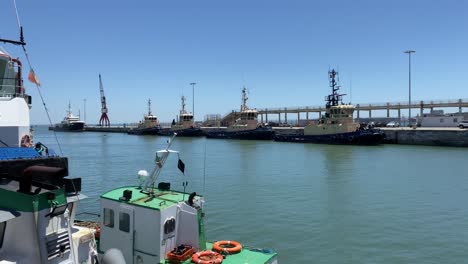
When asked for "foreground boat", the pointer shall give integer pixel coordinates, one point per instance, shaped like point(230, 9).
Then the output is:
point(184, 127)
point(149, 125)
point(155, 224)
point(337, 126)
point(37, 201)
point(69, 123)
point(246, 127)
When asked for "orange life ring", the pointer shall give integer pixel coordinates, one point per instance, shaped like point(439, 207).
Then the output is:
point(26, 141)
point(227, 246)
point(207, 257)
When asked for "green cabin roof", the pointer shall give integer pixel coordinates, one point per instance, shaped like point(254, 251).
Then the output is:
point(160, 200)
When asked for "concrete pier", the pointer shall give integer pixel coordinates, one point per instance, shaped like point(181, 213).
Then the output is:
point(453, 137)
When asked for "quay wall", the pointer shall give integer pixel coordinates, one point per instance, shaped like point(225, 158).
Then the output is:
point(107, 129)
point(427, 136)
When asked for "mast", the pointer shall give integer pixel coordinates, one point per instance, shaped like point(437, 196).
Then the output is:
point(69, 109)
point(334, 98)
point(183, 106)
point(244, 100)
point(104, 120)
point(149, 107)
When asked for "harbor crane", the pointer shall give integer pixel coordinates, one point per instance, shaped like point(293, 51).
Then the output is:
point(104, 120)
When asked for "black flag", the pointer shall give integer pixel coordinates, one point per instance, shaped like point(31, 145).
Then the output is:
point(181, 166)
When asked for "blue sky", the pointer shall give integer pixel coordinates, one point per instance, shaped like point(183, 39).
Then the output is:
point(280, 50)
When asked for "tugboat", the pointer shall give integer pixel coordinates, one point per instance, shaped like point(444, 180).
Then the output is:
point(37, 202)
point(149, 125)
point(337, 125)
point(185, 127)
point(69, 123)
point(246, 127)
point(152, 223)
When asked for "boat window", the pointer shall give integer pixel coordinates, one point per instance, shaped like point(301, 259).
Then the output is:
point(108, 217)
point(2, 232)
point(455, 120)
point(124, 222)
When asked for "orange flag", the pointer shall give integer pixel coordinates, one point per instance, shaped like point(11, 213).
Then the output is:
point(33, 78)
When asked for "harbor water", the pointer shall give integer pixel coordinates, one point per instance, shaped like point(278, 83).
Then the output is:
point(311, 203)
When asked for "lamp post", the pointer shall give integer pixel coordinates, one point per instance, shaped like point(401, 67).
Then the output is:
point(84, 119)
point(409, 83)
point(193, 99)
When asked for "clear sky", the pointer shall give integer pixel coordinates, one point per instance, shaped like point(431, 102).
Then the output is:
point(280, 50)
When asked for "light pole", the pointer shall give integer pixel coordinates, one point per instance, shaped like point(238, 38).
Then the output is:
point(409, 83)
point(84, 110)
point(193, 100)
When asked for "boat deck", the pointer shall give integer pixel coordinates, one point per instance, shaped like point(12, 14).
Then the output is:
point(247, 255)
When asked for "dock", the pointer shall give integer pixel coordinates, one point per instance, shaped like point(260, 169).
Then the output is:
point(426, 136)
point(111, 129)
point(433, 136)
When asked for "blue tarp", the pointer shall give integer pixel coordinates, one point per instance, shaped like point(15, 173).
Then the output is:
point(21, 153)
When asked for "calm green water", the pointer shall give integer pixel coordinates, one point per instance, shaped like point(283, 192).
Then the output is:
point(312, 203)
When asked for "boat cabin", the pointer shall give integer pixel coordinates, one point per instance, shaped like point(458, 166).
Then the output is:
point(341, 112)
point(145, 225)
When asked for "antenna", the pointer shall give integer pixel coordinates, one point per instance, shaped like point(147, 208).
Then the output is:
point(160, 160)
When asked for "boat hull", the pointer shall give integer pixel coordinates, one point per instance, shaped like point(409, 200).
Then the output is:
point(187, 132)
point(72, 127)
point(144, 131)
point(360, 137)
point(255, 134)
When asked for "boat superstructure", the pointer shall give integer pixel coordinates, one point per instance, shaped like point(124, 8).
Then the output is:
point(149, 223)
point(337, 125)
point(246, 127)
point(37, 201)
point(185, 126)
point(149, 125)
point(70, 122)
point(14, 104)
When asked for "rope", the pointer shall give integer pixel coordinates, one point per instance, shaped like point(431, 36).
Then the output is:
point(37, 86)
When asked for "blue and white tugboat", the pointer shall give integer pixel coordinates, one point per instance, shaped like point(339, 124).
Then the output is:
point(337, 126)
point(149, 125)
point(184, 127)
point(37, 201)
point(246, 127)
